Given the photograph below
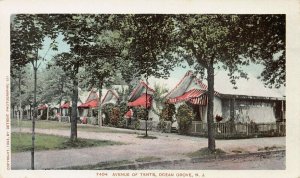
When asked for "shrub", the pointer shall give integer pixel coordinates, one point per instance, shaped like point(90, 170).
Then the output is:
point(123, 109)
point(115, 115)
point(167, 112)
point(107, 111)
point(184, 117)
point(140, 113)
point(121, 123)
point(137, 125)
point(161, 126)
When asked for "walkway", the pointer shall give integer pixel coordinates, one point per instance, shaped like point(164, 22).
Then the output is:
point(166, 146)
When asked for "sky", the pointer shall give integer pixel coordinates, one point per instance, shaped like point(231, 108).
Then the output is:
point(175, 76)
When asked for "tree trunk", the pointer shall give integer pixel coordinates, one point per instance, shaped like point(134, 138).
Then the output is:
point(100, 103)
point(13, 112)
point(210, 112)
point(20, 97)
point(74, 107)
point(147, 113)
point(34, 117)
point(48, 112)
point(60, 99)
point(231, 121)
point(30, 118)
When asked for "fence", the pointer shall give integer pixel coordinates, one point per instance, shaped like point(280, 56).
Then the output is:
point(240, 130)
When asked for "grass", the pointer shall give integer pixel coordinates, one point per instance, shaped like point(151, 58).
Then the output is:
point(21, 142)
point(148, 159)
point(146, 137)
point(204, 152)
point(44, 124)
point(109, 164)
point(100, 166)
point(239, 150)
point(267, 148)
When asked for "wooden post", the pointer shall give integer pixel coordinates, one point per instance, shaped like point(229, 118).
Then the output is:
point(48, 112)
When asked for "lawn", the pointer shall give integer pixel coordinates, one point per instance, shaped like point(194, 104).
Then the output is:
point(204, 152)
point(44, 124)
point(100, 166)
point(21, 142)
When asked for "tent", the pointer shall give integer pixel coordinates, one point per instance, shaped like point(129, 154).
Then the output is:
point(138, 98)
point(250, 101)
point(141, 101)
point(139, 90)
point(111, 96)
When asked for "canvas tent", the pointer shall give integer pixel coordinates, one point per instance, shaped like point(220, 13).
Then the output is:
point(111, 96)
point(249, 102)
point(138, 98)
point(90, 106)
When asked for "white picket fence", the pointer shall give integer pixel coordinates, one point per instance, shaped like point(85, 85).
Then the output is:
point(243, 129)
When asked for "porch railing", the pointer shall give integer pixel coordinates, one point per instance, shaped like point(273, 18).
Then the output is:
point(240, 129)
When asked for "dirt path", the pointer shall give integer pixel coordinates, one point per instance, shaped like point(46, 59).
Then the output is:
point(166, 146)
point(270, 162)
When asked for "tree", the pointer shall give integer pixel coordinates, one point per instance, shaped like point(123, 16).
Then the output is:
point(266, 36)
point(82, 33)
point(71, 64)
point(104, 58)
point(56, 85)
point(27, 35)
point(208, 40)
point(149, 45)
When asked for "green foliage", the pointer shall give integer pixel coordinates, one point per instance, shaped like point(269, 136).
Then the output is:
point(184, 118)
point(28, 32)
point(205, 152)
point(234, 40)
point(167, 112)
point(107, 110)
point(115, 116)
point(137, 124)
point(163, 126)
point(121, 123)
point(140, 113)
point(149, 42)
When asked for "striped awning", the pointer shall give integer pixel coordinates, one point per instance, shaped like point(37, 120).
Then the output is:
point(202, 100)
point(195, 96)
point(90, 104)
point(142, 101)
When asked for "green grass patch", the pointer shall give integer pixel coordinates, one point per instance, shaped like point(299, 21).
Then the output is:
point(148, 159)
point(100, 166)
point(21, 142)
point(146, 137)
point(44, 124)
point(239, 150)
point(204, 152)
point(267, 148)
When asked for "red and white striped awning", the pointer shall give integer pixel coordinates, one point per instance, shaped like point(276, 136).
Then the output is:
point(141, 101)
point(195, 96)
point(202, 100)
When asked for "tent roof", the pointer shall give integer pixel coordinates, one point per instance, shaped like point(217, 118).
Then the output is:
point(66, 105)
point(139, 90)
point(42, 106)
point(251, 87)
point(90, 104)
point(141, 101)
point(188, 82)
point(191, 94)
point(111, 96)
